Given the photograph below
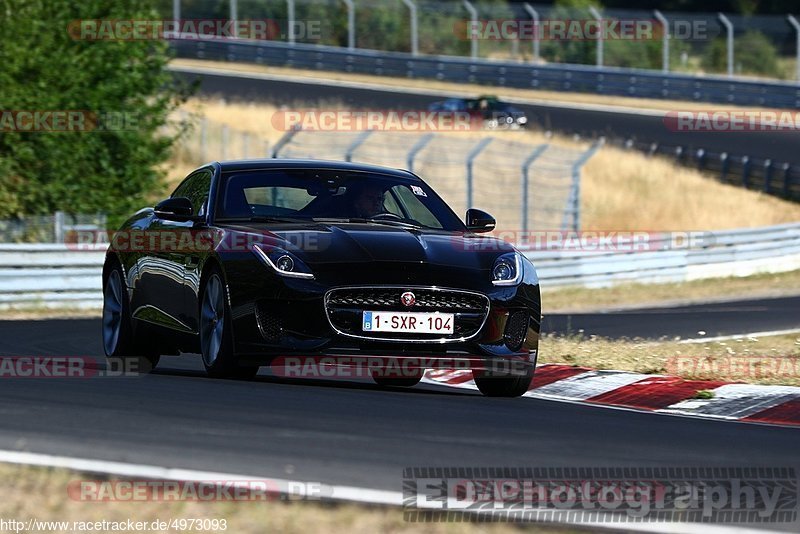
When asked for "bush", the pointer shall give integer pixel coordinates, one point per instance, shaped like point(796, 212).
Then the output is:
point(753, 54)
point(44, 68)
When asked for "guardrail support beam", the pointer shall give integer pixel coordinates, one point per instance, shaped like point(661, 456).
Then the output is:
point(538, 151)
point(473, 23)
point(729, 29)
point(575, 194)
point(483, 143)
point(348, 155)
point(285, 140)
point(536, 37)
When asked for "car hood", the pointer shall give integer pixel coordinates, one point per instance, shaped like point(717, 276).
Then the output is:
point(320, 245)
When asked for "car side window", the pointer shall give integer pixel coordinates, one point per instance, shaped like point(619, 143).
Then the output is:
point(196, 188)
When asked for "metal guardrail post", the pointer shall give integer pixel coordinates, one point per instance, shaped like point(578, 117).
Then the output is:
point(575, 195)
point(600, 38)
point(483, 143)
point(421, 143)
point(176, 11)
point(536, 37)
point(412, 9)
point(745, 171)
point(234, 16)
point(348, 155)
point(290, 21)
point(351, 23)
point(665, 40)
point(729, 29)
point(723, 166)
point(285, 140)
point(58, 226)
point(538, 151)
point(473, 22)
point(787, 169)
point(796, 26)
point(767, 174)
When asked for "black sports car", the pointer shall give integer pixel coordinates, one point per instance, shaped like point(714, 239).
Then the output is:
point(249, 262)
point(494, 113)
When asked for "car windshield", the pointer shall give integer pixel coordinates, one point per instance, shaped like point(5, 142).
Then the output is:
point(299, 195)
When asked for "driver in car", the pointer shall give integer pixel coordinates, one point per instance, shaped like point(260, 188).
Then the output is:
point(369, 202)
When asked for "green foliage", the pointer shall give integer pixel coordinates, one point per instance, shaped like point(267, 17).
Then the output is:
point(44, 68)
point(753, 54)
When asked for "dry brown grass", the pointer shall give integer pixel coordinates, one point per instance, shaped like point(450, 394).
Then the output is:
point(41, 493)
point(742, 360)
point(456, 89)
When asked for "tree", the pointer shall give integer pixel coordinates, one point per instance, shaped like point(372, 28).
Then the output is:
point(121, 84)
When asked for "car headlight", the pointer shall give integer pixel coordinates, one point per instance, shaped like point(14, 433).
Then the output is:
point(507, 270)
point(522, 120)
point(282, 262)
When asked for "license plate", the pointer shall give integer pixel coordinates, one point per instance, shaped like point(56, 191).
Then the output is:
point(412, 322)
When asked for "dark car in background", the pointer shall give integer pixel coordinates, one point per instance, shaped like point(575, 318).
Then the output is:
point(320, 258)
point(494, 113)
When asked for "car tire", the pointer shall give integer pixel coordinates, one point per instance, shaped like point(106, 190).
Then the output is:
point(394, 381)
point(216, 332)
point(124, 350)
point(502, 384)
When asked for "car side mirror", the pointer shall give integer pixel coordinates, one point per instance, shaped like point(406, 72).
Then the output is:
point(479, 221)
point(175, 209)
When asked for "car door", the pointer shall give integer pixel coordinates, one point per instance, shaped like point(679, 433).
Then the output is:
point(171, 263)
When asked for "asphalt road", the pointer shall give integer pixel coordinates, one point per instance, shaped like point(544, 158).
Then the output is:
point(336, 432)
point(780, 147)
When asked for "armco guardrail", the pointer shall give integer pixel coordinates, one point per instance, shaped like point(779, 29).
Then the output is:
point(555, 77)
point(59, 276)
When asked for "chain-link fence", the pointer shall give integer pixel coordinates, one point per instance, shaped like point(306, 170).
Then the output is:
point(763, 45)
point(59, 227)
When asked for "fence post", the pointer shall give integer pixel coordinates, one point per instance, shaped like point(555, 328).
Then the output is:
point(421, 143)
point(176, 14)
point(483, 143)
point(525, 166)
point(351, 24)
point(412, 9)
point(796, 26)
point(729, 29)
point(234, 16)
point(348, 155)
point(290, 21)
point(665, 40)
point(204, 138)
point(535, 16)
point(575, 193)
point(473, 23)
point(596, 14)
point(224, 148)
point(745, 171)
point(786, 178)
point(701, 159)
point(723, 163)
point(58, 227)
point(767, 174)
point(285, 140)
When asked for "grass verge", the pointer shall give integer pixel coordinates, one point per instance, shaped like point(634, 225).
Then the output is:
point(41, 493)
point(773, 360)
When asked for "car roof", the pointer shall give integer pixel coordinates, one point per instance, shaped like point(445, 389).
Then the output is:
point(313, 164)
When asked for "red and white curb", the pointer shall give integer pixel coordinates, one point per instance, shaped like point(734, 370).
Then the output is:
point(656, 393)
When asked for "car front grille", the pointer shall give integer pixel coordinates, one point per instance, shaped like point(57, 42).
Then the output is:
point(344, 307)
